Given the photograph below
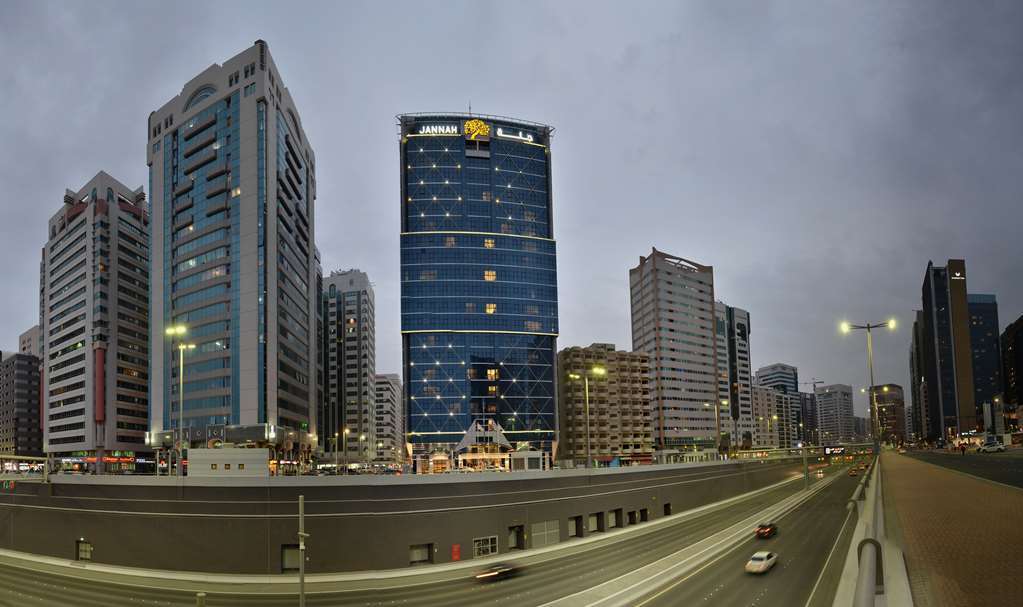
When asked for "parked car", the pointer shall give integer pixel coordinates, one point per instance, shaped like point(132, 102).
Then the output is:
point(761, 562)
point(767, 530)
point(498, 571)
point(852, 472)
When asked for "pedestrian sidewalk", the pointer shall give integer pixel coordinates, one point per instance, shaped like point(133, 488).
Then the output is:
point(961, 536)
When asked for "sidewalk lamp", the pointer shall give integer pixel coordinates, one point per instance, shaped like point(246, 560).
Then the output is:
point(846, 328)
point(179, 332)
point(595, 372)
point(344, 446)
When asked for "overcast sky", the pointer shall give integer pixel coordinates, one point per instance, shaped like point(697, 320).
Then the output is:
point(816, 153)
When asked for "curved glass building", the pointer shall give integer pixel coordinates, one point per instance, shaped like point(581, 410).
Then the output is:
point(479, 297)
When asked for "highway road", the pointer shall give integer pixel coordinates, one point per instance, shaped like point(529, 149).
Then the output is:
point(806, 537)
point(1006, 468)
point(559, 576)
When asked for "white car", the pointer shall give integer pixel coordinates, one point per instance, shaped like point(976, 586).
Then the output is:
point(761, 562)
point(991, 448)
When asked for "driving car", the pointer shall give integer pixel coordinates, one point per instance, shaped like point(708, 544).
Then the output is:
point(853, 472)
point(498, 571)
point(761, 562)
point(991, 448)
point(766, 530)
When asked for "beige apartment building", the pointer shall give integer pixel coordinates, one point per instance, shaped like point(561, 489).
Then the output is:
point(619, 418)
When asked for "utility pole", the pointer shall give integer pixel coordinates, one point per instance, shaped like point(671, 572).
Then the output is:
point(301, 550)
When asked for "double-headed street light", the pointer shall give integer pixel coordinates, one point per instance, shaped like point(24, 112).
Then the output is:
point(179, 332)
point(596, 372)
point(847, 327)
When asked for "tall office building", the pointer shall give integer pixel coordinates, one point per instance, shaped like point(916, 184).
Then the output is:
point(93, 311)
point(809, 431)
point(946, 354)
point(617, 422)
point(835, 413)
point(233, 187)
point(923, 425)
point(479, 301)
point(779, 376)
point(31, 342)
point(987, 355)
point(1012, 371)
point(350, 363)
point(673, 318)
point(390, 419)
point(765, 417)
point(20, 432)
point(732, 330)
point(891, 412)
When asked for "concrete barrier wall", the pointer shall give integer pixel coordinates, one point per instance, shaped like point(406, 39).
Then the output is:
point(355, 523)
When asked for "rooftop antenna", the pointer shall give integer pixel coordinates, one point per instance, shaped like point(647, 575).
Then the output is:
point(470, 107)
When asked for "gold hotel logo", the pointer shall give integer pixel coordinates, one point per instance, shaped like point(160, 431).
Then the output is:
point(476, 127)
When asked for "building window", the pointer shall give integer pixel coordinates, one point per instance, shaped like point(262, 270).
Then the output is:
point(492, 390)
point(213, 466)
point(227, 466)
point(488, 243)
point(492, 374)
point(420, 553)
point(491, 308)
point(449, 241)
point(290, 558)
point(490, 275)
point(241, 466)
point(484, 546)
point(83, 550)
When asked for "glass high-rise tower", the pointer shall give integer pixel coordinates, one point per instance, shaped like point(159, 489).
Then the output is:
point(479, 303)
point(232, 178)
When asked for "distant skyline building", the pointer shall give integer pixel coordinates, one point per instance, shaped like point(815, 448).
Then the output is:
point(233, 187)
point(673, 321)
point(809, 432)
point(350, 364)
point(20, 430)
point(732, 330)
point(835, 413)
point(780, 377)
point(479, 299)
point(891, 412)
point(619, 405)
point(922, 424)
point(31, 341)
point(987, 355)
point(390, 419)
point(94, 311)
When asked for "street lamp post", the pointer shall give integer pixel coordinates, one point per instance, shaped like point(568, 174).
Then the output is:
point(335, 453)
point(597, 372)
point(362, 450)
point(344, 443)
point(179, 331)
point(846, 328)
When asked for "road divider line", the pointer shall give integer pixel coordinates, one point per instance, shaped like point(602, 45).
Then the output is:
point(838, 539)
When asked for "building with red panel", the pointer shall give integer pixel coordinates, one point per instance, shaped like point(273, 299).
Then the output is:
point(93, 318)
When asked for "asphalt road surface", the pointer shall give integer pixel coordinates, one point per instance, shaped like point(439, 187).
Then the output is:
point(1004, 468)
point(804, 541)
point(539, 584)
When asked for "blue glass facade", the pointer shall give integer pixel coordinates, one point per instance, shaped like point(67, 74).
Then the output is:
point(479, 303)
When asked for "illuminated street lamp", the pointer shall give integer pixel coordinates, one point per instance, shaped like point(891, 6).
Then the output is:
point(596, 372)
point(172, 332)
point(344, 446)
point(846, 327)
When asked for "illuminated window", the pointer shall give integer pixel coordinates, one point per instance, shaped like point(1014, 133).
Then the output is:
point(236, 192)
point(428, 275)
point(470, 308)
point(492, 390)
point(492, 374)
point(488, 243)
point(532, 325)
point(490, 275)
point(491, 308)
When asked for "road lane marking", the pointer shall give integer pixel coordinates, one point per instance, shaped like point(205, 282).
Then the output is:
point(838, 538)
